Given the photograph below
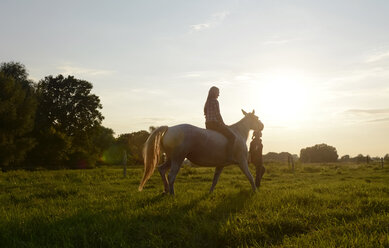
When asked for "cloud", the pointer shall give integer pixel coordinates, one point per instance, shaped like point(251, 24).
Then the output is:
point(380, 120)
point(371, 82)
point(244, 77)
point(217, 78)
point(367, 111)
point(249, 77)
point(370, 72)
point(215, 19)
point(365, 115)
point(120, 96)
point(73, 70)
point(199, 27)
point(154, 121)
point(193, 74)
point(147, 91)
point(378, 57)
point(361, 74)
point(279, 41)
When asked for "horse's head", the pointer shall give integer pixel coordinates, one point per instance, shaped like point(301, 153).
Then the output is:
point(254, 122)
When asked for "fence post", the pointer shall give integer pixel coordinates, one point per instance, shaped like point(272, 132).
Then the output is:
point(124, 162)
point(382, 163)
point(290, 161)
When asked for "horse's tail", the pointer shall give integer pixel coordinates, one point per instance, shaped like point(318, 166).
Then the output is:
point(151, 153)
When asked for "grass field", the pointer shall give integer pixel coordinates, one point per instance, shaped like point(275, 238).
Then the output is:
point(333, 205)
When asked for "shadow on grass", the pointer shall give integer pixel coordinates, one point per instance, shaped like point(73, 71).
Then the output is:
point(204, 220)
point(195, 223)
point(160, 221)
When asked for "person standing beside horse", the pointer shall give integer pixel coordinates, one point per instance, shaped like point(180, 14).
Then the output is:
point(256, 156)
point(214, 120)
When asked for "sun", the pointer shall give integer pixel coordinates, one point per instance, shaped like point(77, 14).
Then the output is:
point(281, 97)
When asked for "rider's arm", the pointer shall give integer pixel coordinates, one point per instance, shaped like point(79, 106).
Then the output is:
point(219, 116)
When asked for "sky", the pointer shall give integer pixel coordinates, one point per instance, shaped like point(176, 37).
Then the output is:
point(314, 71)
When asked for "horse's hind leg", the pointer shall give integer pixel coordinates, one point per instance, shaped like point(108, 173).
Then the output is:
point(163, 168)
point(216, 176)
point(175, 167)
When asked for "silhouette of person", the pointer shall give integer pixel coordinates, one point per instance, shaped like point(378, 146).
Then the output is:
point(256, 158)
point(214, 120)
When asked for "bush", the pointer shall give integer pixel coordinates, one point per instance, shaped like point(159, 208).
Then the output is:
point(318, 153)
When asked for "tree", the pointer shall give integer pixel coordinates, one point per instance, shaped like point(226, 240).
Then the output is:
point(68, 105)
point(319, 153)
point(17, 71)
point(279, 157)
point(52, 149)
point(103, 141)
point(17, 113)
point(69, 115)
point(133, 144)
point(359, 159)
point(345, 158)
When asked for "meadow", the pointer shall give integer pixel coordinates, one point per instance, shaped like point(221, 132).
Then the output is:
point(316, 205)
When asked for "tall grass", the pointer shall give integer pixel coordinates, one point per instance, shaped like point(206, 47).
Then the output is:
point(328, 205)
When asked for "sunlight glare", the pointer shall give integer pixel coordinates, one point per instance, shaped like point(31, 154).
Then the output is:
point(281, 98)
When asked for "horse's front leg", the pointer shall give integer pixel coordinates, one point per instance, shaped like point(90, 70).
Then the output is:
point(216, 176)
point(245, 169)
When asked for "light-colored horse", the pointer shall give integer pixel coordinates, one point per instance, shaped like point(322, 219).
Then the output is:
point(201, 146)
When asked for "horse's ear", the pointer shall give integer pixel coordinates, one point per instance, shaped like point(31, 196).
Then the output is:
point(244, 112)
point(253, 111)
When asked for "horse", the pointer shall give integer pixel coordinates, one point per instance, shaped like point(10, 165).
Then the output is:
point(203, 147)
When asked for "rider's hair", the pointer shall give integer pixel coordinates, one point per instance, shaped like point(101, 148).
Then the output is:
point(212, 94)
point(256, 134)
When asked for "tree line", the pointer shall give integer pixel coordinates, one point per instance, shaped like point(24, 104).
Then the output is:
point(360, 158)
point(57, 123)
point(322, 153)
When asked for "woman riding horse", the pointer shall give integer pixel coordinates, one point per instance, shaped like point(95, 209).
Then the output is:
point(214, 120)
point(202, 147)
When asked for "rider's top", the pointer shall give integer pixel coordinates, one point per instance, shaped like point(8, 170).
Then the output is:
point(256, 150)
point(212, 111)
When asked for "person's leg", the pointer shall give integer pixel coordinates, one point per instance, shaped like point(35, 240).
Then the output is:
point(260, 169)
point(231, 141)
point(212, 126)
point(223, 129)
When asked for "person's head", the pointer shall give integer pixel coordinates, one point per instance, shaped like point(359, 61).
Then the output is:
point(213, 93)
